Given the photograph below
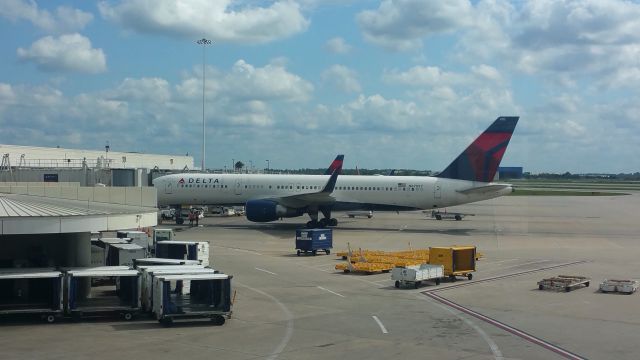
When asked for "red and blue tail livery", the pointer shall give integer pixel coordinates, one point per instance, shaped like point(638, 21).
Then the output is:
point(335, 165)
point(480, 161)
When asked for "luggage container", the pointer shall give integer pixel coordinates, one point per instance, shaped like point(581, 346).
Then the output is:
point(457, 260)
point(137, 263)
point(416, 274)
point(124, 254)
point(209, 297)
point(312, 240)
point(148, 274)
point(137, 237)
point(33, 292)
point(161, 235)
point(122, 298)
point(184, 250)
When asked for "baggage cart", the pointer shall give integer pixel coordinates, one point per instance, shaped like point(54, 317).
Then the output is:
point(183, 250)
point(84, 298)
point(457, 260)
point(147, 274)
point(563, 282)
point(137, 237)
point(209, 297)
point(32, 291)
point(416, 274)
point(620, 286)
point(309, 241)
point(438, 215)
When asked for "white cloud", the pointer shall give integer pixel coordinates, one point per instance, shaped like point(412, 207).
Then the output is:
point(338, 45)
point(144, 89)
point(560, 39)
point(487, 72)
point(343, 78)
point(220, 20)
point(402, 24)
point(71, 52)
point(65, 19)
point(422, 76)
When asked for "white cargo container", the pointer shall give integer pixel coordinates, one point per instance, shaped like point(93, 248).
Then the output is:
point(415, 275)
point(148, 274)
point(184, 250)
point(210, 297)
point(123, 254)
point(137, 237)
point(137, 263)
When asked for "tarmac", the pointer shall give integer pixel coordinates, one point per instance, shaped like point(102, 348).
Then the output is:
point(289, 307)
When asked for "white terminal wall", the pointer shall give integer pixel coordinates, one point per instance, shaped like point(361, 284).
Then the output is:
point(60, 157)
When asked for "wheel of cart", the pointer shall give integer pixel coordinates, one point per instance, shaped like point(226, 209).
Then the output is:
point(128, 316)
point(397, 284)
point(469, 276)
point(298, 252)
point(437, 281)
point(218, 320)
point(458, 217)
point(452, 278)
point(417, 284)
point(314, 252)
point(438, 217)
point(540, 287)
point(166, 321)
point(327, 251)
point(50, 318)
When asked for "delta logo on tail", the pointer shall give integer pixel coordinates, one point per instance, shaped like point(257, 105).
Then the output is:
point(479, 161)
point(335, 165)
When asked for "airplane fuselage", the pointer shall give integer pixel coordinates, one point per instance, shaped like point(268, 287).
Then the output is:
point(351, 192)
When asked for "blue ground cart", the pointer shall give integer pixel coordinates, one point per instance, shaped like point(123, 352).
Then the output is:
point(312, 240)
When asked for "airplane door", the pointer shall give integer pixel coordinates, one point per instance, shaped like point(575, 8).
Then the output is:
point(168, 188)
point(238, 187)
point(437, 192)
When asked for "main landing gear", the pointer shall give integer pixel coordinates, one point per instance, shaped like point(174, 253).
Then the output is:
point(324, 222)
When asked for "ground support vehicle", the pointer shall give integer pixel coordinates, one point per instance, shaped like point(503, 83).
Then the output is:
point(353, 214)
point(438, 215)
point(457, 260)
point(309, 241)
point(364, 267)
point(83, 298)
point(563, 282)
point(209, 297)
point(32, 291)
point(620, 286)
point(416, 274)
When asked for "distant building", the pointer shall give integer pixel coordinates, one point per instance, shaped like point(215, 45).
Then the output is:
point(510, 172)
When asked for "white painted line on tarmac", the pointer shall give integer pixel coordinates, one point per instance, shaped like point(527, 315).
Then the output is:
point(501, 261)
point(288, 317)
point(497, 354)
point(334, 293)
point(267, 271)
point(384, 329)
point(237, 249)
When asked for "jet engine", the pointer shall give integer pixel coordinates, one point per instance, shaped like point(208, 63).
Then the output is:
point(269, 210)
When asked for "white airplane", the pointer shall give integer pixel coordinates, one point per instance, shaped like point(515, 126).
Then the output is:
point(269, 197)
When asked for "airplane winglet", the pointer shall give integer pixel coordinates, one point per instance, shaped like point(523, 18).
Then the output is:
point(331, 184)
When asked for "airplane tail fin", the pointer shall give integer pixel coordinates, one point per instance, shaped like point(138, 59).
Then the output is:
point(480, 161)
point(336, 164)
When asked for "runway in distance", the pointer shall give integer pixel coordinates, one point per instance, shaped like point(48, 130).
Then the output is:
point(269, 197)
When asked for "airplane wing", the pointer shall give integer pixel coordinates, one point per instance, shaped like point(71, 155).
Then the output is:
point(485, 189)
point(321, 197)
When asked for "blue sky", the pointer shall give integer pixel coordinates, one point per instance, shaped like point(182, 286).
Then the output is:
point(391, 84)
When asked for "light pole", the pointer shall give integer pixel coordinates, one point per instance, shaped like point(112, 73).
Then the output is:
point(267, 165)
point(204, 42)
point(233, 165)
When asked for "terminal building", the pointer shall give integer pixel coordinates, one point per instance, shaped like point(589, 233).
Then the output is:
point(86, 167)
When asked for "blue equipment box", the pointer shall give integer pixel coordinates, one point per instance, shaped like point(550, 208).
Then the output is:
point(312, 240)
